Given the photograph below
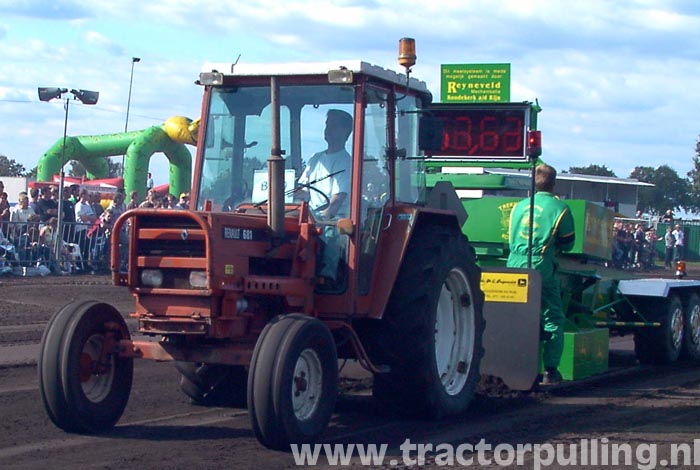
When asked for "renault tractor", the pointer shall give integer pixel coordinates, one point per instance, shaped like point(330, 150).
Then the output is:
point(237, 291)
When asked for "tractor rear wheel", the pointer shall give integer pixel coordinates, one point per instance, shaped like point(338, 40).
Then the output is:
point(213, 384)
point(662, 345)
point(83, 382)
point(431, 333)
point(292, 381)
point(691, 325)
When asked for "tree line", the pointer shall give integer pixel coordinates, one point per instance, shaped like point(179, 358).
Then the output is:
point(670, 190)
point(10, 167)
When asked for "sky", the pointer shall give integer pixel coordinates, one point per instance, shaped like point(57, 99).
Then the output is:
point(616, 80)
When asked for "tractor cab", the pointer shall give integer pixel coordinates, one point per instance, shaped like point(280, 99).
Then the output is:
point(256, 111)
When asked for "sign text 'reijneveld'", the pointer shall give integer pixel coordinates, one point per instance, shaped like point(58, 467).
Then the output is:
point(474, 83)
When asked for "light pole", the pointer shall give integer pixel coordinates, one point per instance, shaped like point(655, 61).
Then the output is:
point(128, 102)
point(86, 97)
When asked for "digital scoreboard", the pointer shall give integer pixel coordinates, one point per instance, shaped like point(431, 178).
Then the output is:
point(480, 132)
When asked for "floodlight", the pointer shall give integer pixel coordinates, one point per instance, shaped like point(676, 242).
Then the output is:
point(86, 96)
point(49, 93)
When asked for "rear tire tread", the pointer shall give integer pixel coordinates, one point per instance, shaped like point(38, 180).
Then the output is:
point(404, 338)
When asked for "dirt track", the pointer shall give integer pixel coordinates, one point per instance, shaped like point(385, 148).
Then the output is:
point(160, 429)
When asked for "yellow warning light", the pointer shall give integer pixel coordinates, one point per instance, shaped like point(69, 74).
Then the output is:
point(407, 52)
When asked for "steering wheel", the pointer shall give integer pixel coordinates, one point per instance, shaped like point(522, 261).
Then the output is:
point(327, 199)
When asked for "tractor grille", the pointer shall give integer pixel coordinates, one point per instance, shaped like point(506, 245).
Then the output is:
point(170, 246)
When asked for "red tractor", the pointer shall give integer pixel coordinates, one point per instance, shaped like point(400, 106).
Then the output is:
point(279, 271)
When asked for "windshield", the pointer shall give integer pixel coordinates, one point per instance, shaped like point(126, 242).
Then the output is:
point(238, 139)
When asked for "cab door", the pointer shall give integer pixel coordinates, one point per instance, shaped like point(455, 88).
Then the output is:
point(374, 182)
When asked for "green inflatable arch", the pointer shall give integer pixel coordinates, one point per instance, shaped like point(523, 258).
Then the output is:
point(138, 146)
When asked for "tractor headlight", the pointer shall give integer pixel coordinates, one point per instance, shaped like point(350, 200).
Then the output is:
point(211, 78)
point(152, 277)
point(198, 279)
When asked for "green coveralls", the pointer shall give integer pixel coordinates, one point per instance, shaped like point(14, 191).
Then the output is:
point(553, 231)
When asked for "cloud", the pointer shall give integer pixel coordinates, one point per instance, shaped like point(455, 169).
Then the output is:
point(615, 79)
point(96, 39)
point(50, 10)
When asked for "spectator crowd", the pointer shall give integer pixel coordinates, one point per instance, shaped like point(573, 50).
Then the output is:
point(29, 235)
point(29, 232)
point(634, 244)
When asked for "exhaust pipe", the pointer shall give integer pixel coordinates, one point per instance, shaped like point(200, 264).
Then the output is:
point(275, 169)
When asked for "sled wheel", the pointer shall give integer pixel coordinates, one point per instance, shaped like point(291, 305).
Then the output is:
point(430, 336)
point(292, 382)
point(662, 345)
point(691, 325)
point(213, 384)
point(83, 383)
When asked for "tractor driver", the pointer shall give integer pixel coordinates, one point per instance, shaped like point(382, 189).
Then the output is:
point(553, 230)
point(326, 182)
point(328, 172)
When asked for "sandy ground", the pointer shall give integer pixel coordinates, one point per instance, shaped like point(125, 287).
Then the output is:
point(645, 408)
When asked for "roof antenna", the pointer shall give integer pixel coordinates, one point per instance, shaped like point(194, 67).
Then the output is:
point(234, 64)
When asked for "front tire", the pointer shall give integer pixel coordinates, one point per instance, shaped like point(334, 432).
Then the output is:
point(81, 393)
point(431, 333)
point(292, 381)
point(662, 345)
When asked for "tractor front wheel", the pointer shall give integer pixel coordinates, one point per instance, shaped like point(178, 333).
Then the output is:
point(292, 381)
point(83, 382)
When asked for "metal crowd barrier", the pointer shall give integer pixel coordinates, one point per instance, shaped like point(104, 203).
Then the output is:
point(24, 252)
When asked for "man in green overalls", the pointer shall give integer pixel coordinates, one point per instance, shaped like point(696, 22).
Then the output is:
point(553, 231)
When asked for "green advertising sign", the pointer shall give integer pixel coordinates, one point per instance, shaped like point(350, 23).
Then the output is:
point(475, 83)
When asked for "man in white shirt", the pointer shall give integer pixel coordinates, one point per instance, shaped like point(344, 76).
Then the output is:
point(328, 173)
point(84, 217)
point(678, 251)
point(21, 212)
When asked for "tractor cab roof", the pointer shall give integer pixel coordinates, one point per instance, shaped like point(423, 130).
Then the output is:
point(314, 68)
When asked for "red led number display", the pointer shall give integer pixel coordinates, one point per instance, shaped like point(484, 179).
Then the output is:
point(497, 133)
